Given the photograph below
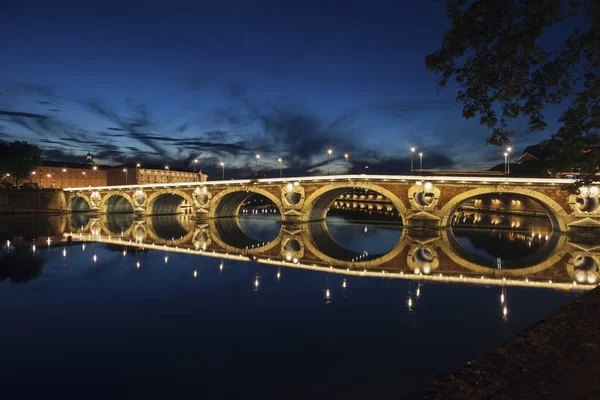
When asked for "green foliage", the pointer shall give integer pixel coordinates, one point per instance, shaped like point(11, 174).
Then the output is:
point(494, 51)
point(19, 159)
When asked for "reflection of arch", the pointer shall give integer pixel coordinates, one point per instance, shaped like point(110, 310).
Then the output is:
point(325, 247)
point(117, 202)
point(79, 222)
point(317, 204)
point(115, 224)
point(164, 229)
point(79, 203)
point(229, 235)
point(527, 266)
point(556, 212)
point(228, 202)
point(167, 201)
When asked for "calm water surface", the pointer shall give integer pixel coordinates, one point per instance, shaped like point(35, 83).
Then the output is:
point(179, 324)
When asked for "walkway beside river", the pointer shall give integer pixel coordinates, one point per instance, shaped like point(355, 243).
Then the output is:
point(558, 358)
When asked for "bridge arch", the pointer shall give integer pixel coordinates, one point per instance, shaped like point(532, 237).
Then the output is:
point(79, 203)
point(168, 201)
point(317, 205)
point(228, 202)
point(117, 202)
point(558, 215)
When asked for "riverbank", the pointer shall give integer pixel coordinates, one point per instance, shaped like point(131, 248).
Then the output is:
point(43, 201)
point(556, 358)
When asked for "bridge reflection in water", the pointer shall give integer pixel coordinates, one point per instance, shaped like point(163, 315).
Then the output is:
point(533, 257)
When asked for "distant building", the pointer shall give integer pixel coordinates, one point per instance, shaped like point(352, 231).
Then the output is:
point(132, 174)
point(58, 175)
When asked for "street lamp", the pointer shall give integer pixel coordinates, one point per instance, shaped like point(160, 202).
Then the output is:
point(280, 160)
point(223, 166)
point(346, 156)
point(256, 168)
point(420, 163)
point(329, 153)
point(508, 150)
point(62, 177)
point(195, 162)
point(506, 163)
point(412, 154)
point(83, 177)
point(126, 180)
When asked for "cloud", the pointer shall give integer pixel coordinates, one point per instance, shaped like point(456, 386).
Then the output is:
point(22, 114)
point(140, 118)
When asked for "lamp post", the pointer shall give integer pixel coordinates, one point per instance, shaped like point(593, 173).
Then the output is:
point(280, 161)
point(256, 167)
point(421, 163)
point(329, 152)
point(126, 180)
point(168, 177)
point(83, 177)
point(49, 176)
point(506, 163)
point(62, 177)
point(412, 154)
point(223, 166)
point(346, 156)
point(508, 150)
point(195, 163)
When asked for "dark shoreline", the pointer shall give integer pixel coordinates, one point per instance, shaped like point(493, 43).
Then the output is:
point(555, 358)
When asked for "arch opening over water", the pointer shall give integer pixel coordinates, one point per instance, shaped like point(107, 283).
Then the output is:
point(79, 204)
point(246, 202)
point(170, 203)
point(256, 225)
point(511, 201)
point(118, 204)
point(357, 202)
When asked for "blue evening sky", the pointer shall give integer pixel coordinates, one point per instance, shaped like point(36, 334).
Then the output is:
point(167, 82)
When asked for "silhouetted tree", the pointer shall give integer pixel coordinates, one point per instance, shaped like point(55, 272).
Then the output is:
point(19, 159)
point(500, 53)
point(20, 264)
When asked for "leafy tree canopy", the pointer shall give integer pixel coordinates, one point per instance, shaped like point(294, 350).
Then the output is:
point(19, 159)
point(499, 53)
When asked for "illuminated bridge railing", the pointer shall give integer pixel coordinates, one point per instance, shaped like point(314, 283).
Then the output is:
point(333, 178)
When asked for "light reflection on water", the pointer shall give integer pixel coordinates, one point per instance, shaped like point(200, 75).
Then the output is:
point(156, 323)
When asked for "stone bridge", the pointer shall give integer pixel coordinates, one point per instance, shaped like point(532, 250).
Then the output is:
point(436, 255)
point(420, 201)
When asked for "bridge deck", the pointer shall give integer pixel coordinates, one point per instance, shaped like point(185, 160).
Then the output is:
point(338, 178)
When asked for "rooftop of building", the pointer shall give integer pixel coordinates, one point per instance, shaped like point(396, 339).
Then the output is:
point(91, 165)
